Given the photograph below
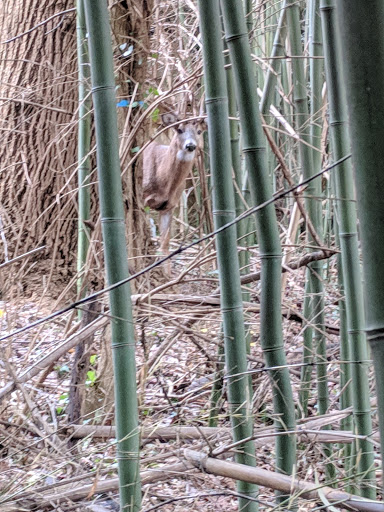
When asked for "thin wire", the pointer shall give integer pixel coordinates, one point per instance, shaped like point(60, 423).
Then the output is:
point(180, 250)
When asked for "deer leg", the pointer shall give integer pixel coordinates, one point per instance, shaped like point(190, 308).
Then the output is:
point(165, 220)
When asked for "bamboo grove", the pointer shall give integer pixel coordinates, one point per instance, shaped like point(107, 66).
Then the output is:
point(276, 252)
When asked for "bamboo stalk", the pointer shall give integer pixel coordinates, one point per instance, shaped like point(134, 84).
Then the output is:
point(242, 226)
point(313, 282)
point(315, 272)
point(278, 50)
point(84, 144)
point(345, 355)
point(268, 236)
point(347, 220)
point(239, 393)
point(261, 437)
point(115, 251)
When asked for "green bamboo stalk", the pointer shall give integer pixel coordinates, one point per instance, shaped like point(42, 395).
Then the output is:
point(258, 48)
point(316, 269)
point(347, 220)
point(278, 50)
point(272, 17)
point(84, 145)
point(235, 145)
point(316, 81)
point(246, 228)
point(239, 393)
point(313, 207)
point(241, 227)
point(345, 354)
point(248, 15)
point(308, 354)
point(84, 202)
point(268, 235)
point(249, 237)
point(115, 251)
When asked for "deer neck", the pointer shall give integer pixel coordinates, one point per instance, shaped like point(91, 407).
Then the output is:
point(175, 166)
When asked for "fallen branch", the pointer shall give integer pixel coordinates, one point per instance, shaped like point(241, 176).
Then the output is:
point(279, 482)
point(261, 438)
point(305, 260)
point(86, 491)
point(308, 429)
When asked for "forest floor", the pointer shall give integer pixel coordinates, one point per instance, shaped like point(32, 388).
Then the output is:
point(178, 334)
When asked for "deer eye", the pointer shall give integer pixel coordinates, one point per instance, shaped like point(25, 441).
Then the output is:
point(198, 132)
point(180, 131)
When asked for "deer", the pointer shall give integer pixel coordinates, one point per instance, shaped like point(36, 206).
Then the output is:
point(165, 171)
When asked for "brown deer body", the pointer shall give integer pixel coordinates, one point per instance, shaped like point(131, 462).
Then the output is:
point(165, 170)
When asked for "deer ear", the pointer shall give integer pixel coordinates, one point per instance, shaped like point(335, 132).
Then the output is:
point(169, 118)
point(203, 125)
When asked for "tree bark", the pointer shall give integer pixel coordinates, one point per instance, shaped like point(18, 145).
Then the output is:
point(37, 122)
point(38, 125)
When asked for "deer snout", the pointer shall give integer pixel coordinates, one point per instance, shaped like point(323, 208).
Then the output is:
point(191, 146)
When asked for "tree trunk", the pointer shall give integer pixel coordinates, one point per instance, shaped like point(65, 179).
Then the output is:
point(38, 92)
point(38, 123)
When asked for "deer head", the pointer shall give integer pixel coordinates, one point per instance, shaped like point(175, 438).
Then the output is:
point(187, 137)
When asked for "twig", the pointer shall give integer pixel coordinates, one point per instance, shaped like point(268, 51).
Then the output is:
point(62, 13)
point(4, 242)
point(104, 486)
point(22, 101)
point(22, 256)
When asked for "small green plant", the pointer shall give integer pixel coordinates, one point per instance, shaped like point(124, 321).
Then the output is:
point(63, 401)
point(155, 115)
point(91, 378)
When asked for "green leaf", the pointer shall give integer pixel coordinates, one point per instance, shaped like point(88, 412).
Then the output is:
point(154, 91)
point(91, 374)
point(135, 150)
point(91, 377)
point(155, 115)
point(93, 359)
